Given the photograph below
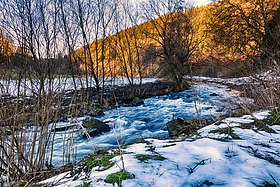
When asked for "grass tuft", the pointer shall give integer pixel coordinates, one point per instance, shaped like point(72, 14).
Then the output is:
point(103, 160)
point(118, 177)
point(85, 184)
point(140, 140)
point(274, 118)
point(227, 130)
point(263, 127)
point(145, 157)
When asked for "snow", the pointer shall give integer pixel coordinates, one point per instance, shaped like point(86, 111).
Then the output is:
point(265, 76)
point(198, 161)
point(234, 122)
point(31, 87)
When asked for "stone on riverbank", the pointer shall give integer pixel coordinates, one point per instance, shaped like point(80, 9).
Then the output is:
point(178, 127)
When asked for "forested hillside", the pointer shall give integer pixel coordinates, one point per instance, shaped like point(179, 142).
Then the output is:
point(225, 38)
point(235, 34)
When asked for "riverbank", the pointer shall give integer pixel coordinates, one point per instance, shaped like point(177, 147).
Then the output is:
point(228, 144)
point(264, 88)
point(77, 103)
point(231, 153)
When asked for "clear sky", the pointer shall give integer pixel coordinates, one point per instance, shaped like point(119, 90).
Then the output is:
point(200, 2)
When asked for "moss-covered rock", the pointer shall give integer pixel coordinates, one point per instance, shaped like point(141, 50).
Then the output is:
point(178, 127)
point(133, 101)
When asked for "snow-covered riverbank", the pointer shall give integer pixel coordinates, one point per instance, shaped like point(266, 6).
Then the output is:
point(30, 87)
point(211, 158)
point(270, 76)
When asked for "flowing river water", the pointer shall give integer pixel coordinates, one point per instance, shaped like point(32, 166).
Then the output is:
point(149, 120)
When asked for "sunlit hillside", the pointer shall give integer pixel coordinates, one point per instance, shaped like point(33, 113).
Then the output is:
point(227, 31)
point(136, 48)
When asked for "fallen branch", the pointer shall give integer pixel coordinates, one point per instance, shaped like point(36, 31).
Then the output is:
point(202, 162)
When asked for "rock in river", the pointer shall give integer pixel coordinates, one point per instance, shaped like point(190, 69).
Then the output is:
point(214, 94)
point(133, 102)
point(95, 127)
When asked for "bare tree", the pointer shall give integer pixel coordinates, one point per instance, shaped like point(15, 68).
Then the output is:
point(250, 31)
point(28, 108)
point(171, 29)
point(241, 28)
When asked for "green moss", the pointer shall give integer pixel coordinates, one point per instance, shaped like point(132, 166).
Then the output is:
point(235, 136)
point(181, 132)
point(124, 146)
point(226, 130)
point(103, 160)
point(146, 157)
point(136, 99)
point(140, 141)
point(85, 184)
point(118, 177)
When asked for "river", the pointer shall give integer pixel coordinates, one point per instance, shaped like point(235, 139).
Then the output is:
point(149, 120)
